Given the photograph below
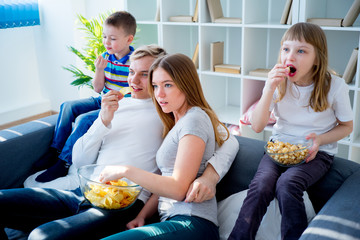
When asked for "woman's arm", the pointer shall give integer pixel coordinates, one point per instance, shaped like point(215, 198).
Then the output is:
point(189, 155)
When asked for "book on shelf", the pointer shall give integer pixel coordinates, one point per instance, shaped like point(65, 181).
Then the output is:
point(350, 69)
point(196, 12)
point(216, 54)
point(186, 18)
point(286, 12)
point(228, 20)
point(215, 9)
point(195, 57)
point(352, 14)
point(181, 18)
point(228, 68)
point(157, 14)
point(289, 20)
point(216, 13)
point(260, 72)
point(331, 22)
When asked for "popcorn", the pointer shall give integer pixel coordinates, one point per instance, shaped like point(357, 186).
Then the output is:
point(286, 153)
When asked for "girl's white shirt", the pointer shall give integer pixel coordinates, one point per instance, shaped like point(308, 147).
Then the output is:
point(295, 118)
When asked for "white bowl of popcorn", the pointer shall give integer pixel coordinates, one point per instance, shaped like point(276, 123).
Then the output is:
point(288, 154)
point(120, 194)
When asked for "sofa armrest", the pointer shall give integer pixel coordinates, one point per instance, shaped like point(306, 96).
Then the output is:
point(20, 147)
point(340, 216)
point(322, 190)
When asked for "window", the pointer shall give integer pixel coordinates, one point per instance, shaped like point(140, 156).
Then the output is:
point(19, 13)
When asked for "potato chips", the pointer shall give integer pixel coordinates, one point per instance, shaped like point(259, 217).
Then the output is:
point(111, 197)
point(126, 90)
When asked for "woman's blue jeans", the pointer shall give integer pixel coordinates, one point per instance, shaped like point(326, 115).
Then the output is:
point(56, 214)
point(83, 112)
point(179, 227)
point(287, 185)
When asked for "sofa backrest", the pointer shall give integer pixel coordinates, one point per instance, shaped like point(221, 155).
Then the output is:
point(20, 147)
point(248, 158)
point(243, 168)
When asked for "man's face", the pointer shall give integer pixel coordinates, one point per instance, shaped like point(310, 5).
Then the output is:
point(138, 77)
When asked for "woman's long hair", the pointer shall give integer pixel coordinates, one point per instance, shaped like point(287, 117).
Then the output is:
point(314, 35)
point(183, 72)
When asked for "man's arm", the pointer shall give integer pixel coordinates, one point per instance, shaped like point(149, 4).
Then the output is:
point(204, 187)
point(149, 209)
point(86, 148)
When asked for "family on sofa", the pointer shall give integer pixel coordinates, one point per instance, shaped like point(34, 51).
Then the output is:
point(304, 97)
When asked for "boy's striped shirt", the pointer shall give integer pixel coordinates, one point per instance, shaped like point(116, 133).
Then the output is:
point(116, 71)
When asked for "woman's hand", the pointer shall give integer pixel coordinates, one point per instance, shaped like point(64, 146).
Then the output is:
point(109, 104)
point(110, 173)
point(315, 146)
point(100, 63)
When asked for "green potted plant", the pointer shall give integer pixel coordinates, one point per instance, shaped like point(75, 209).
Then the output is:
point(93, 47)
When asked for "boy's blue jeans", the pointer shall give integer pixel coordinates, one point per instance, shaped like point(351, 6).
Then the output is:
point(287, 185)
point(83, 112)
point(56, 214)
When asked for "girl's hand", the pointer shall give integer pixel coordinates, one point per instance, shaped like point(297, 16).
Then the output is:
point(109, 104)
point(277, 75)
point(137, 222)
point(110, 173)
point(315, 146)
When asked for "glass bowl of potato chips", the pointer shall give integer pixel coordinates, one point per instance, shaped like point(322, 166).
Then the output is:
point(119, 194)
point(288, 154)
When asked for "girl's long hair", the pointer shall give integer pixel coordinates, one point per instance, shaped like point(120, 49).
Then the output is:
point(314, 35)
point(183, 72)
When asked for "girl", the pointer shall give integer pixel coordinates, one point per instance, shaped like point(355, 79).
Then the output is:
point(191, 132)
point(308, 102)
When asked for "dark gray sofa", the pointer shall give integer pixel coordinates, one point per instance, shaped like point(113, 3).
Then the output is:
point(336, 197)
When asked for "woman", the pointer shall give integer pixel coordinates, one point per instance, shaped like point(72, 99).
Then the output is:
point(190, 134)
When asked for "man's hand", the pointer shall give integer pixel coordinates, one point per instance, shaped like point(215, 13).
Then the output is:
point(204, 187)
point(137, 222)
point(109, 104)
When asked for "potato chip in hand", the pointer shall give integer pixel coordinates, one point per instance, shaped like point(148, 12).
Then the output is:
point(126, 90)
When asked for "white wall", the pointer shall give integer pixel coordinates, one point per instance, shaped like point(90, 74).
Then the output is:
point(32, 80)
